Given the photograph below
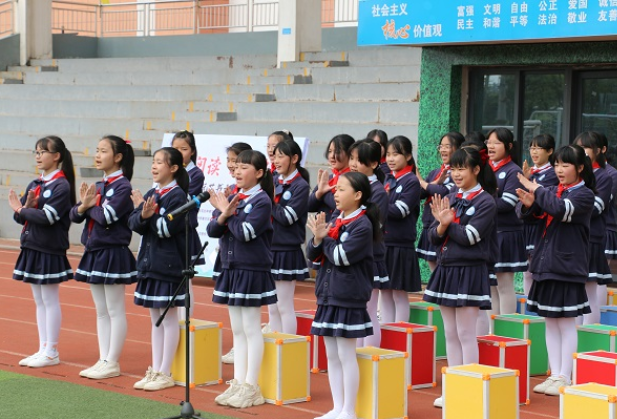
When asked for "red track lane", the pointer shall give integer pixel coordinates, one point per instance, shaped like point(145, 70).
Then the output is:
point(79, 349)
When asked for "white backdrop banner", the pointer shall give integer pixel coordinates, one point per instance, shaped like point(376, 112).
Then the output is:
point(212, 160)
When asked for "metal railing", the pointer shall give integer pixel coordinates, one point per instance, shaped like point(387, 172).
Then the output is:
point(7, 18)
point(173, 17)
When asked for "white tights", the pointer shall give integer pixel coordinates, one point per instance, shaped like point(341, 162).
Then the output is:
point(460, 329)
point(282, 315)
point(527, 282)
point(394, 306)
point(561, 341)
point(505, 303)
point(181, 310)
point(248, 343)
point(591, 288)
point(165, 339)
point(110, 319)
point(371, 307)
point(343, 375)
point(483, 325)
point(48, 317)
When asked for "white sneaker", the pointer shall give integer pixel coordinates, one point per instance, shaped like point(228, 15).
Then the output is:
point(438, 402)
point(228, 358)
point(266, 328)
point(160, 381)
point(107, 369)
point(332, 414)
point(44, 361)
point(347, 416)
point(541, 388)
point(24, 362)
point(84, 373)
point(226, 395)
point(553, 389)
point(142, 383)
point(248, 395)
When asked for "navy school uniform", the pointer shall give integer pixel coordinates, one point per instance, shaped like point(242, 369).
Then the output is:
point(45, 236)
point(106, 236)
point(425, 249)
point(598, 265)
point(560, 265)
point(379, 197)
point(510, 240)
point(326, 204)
point(344, 282)
point(400, 231)
point(533, 227)
point(245, 253)
point(384, 167)
point(216, 269)
point(289, 215)
point(162, 253)
point(196, 186)
point(611, 217)
point(461, 278)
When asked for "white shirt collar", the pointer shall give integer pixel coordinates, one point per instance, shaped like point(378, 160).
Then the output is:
point(47, 177)
point(353, 214)
point(470, 191)
point(372, 178)
point(116, 173)
point(190, 166)
point(291, 176)
point(543, 167)
point(171, 184)
point(251, 192)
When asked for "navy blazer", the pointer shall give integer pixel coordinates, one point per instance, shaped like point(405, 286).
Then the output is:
point(507, 184)
point(604, 187)
point(403, 210)
point(432, 189)
point(290, 214)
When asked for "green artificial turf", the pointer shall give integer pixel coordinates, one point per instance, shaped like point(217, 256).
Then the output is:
point(25, 397)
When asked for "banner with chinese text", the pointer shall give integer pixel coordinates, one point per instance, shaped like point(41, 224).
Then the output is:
point(212, 160)
point(425, 22)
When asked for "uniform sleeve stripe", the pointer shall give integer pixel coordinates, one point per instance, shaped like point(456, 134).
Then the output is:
point(49, 216)
point(52, 211)
point(112, 212)
point(510, 198)
point(161, 228)
point(292, 212)
point(599, 204)
point(403, 207)
point(337, 260)
point(343, 255)
point(249, 231)
point(472, 234)
point(567, 216)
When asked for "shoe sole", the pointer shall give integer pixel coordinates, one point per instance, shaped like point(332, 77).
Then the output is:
point(257, 402)
point(157, 389)
point(103, 377)
point(43, 366)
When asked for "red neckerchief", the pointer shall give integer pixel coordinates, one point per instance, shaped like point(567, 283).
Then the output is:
point(108, 181)
point(160, 193)
point(235, 190)
point(560, 190)
point(277, 198)
point(383, 160)
point(441, 170)
point(500, 164)
point(595, 165)
point(335, 229)
point(332, 182)
point(242, 196)
point(272, 168)
point(399, 174)
point(459, 208)
point(37, 190)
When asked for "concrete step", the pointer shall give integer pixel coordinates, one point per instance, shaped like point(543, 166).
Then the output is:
point(385, 56)
point(161, 63)
point(11, 75)
point(33, 68)
point(10, 81)
point(356, 75)
point(308, 65)
point(367, 92)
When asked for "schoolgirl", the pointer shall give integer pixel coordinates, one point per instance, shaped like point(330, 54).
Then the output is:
point(438, 182)
point(161, 260)
point(403, 190)
point(599, 271)
point(380, 137)
point(611, 215)
point(289, 214)
point(343, 285)
point(275, 138)
point(337, 153)
point(108, 264)
point(245, 284)
point(42, 263)
point(464, 223)
point(512, 256)
point(561, 260)
point(364, 157)
point(232, 156)
point(540, 150)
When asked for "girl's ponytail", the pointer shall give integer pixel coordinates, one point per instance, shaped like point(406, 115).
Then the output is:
point(373, 214)
point(359, 182)
point(259, 162)
point(55, 144)
point(120, 146)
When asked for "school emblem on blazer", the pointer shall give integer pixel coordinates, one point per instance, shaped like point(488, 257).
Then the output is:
point(109, 193)
point(248, 208)
point(287, 195)
point(399, 189)
point(162, 211)
point(344, 237)
point(502, 175)
point(47, 193)
point(470, 211)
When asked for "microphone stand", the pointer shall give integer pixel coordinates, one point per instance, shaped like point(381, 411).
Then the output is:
point(187, 412)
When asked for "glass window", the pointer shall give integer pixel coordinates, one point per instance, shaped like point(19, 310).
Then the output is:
point(494, 102)
point(599, 106)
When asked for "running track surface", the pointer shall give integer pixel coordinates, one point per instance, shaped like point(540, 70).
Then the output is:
point(79, 349)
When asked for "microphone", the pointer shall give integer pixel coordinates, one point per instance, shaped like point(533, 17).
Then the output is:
point(195, 202)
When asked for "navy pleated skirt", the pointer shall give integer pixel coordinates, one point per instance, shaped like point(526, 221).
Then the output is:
point(380, 274)
point(341, 322)
point(610, 249)
point(598, 265)
point(403, 269)
point(533, 234)
point(153, 293)
point(115, 265)
point(34, 267)
point(512, 256)
point(425, 249)
point(459, 286)
point(240, 287)
point(289, 265)
point(553, 298)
